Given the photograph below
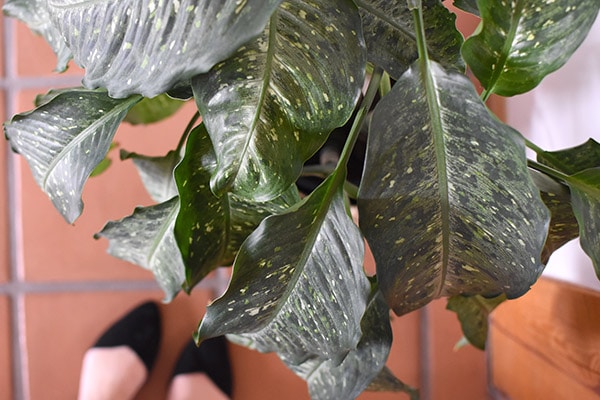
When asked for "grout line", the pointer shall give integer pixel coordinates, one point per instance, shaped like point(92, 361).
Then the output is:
point(17, 304)
point(24, 287)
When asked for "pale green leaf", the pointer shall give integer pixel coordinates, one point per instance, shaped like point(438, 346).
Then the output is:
point(147, 46)
point(35, 14)
point(473, 313)
point(146, 238)
point(156, 173)
point(64, 139)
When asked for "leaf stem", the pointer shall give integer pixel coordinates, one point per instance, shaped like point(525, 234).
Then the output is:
point(187, 131)
point(361, 115)
point(548, 170)
point(417, 11)
point(533, 146)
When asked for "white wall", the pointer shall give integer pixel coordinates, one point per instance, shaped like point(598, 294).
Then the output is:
point(564, 111)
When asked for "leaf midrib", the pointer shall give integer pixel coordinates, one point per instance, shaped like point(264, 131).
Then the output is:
point(85, 133)
point(434, 105)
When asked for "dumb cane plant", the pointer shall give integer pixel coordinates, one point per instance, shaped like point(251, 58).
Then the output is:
point(289, 91)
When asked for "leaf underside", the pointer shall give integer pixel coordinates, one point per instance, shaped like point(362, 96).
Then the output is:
point(146, 238)
point(441, 195)
point(64, 139)
point(146, 46)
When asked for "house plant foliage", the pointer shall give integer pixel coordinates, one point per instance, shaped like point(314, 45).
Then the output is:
point(447, 200)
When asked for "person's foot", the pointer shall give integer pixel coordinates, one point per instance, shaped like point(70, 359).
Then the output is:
point(120, 360)
point(202, 371)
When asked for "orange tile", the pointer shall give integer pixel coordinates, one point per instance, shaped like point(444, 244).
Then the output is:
point(61, 327)
point(5, 349)
point(55, 250)
point(35, 57)
point(453, 374)
point(2, 50)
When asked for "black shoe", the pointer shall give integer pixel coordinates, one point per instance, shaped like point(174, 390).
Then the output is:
point(211, 358)
point(139, 329)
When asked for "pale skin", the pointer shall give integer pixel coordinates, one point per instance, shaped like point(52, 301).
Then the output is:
point(118, 373)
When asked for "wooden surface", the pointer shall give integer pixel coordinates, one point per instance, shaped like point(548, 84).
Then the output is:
point(546, 345)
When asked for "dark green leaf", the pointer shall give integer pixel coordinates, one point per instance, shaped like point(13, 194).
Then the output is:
point(65, 139)
point(385, 381)
point(520, 42)
point(446, 202)
point(582, 165)
point(298, 286)
point(390, 34)
point(146, 238)
point(573, 160)
point(153, 110)
point(270, 106)
point(563, 224)
point(37, 17)
point(467, 5)
point(156, 173)
point(210, 229)
point(346, 380)
point(148, 46)
point(473, 313)
point(585, 196)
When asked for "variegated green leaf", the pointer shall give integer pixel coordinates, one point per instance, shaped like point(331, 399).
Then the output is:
point(298, 287)
point(270, 106)
point(390, 34)
point(211, 229)
point(473, 313)
point(146, 238)
point(346, 380)
point(520, 42)
point(156, 173)
point(64, 139)
point(581, 164)
point(446, 202)
point(386, 381)
point(147, 46)
point(585, 197)
point(37, 17)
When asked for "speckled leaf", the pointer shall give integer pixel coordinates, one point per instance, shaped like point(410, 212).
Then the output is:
point(210, 229)
point(585, 197)
point(156, 173)
point(146, 238)
point(467, 5)
point(147, 46)
point(390, 35)
point(447, 203)
point(563, 224)
point(64, 139)
point(473, 313)
point(346, 380)
point(520, 42)
point(270, 106)
point(298, 285)
point(582, 165)
point(35, 14)
point(153, 110)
